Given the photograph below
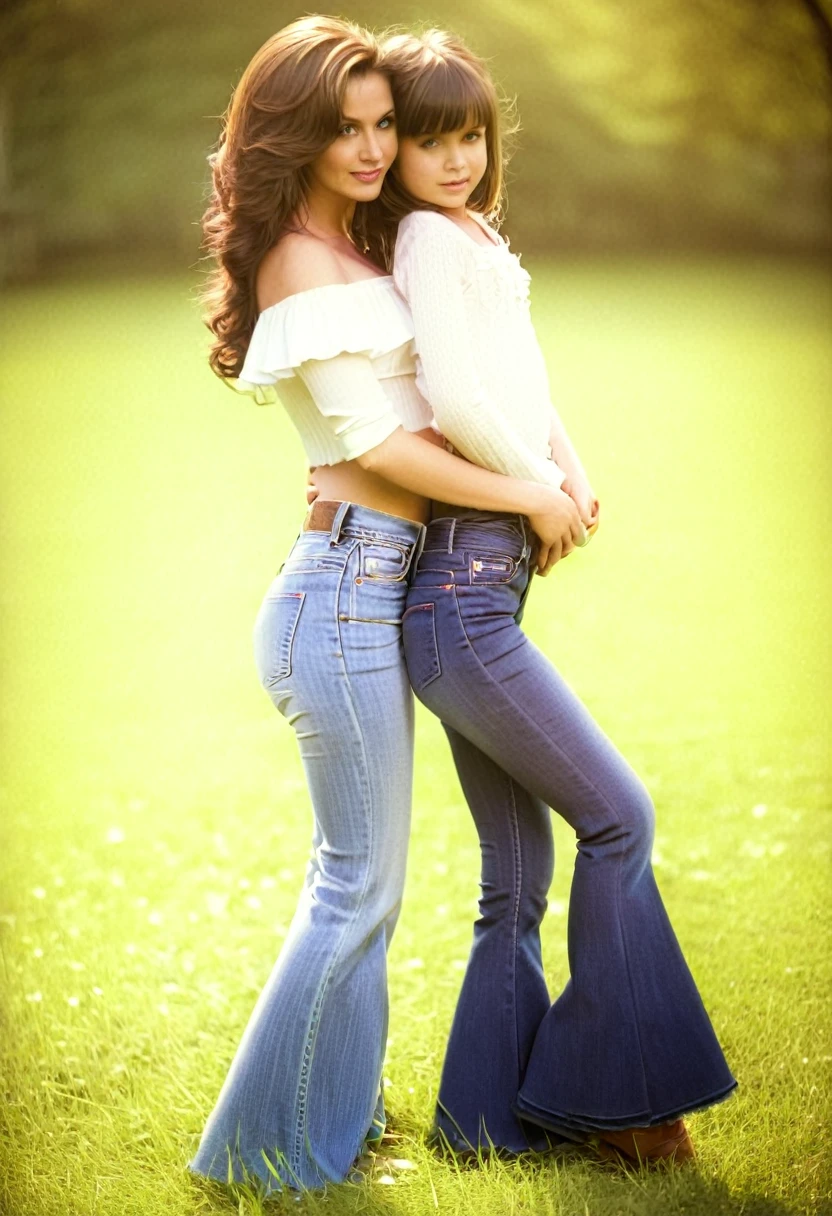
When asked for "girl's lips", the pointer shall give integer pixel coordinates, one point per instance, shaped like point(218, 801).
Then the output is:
point(370, 176)
point(455, 185)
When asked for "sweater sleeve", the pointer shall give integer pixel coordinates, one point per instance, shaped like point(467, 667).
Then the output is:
point(346, 391)
point(430, 270)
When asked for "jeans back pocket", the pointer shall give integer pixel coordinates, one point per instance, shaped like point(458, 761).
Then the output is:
point(274, 635)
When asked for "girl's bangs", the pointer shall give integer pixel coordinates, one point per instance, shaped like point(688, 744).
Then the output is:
point(444, 97)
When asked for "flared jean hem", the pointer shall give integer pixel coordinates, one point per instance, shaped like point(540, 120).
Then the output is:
point(628, 1041)
point(302, 1091)
point(554, 1120)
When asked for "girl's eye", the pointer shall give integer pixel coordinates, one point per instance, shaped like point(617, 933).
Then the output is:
point(429, 143)
point(472, 135)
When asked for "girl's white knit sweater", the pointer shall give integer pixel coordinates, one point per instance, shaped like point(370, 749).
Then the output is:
point(478, 361)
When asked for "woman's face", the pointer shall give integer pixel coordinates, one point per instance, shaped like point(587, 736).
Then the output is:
point(354, 164)
point(443, 169)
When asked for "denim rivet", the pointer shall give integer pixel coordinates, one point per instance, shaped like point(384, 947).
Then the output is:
point(359, 580)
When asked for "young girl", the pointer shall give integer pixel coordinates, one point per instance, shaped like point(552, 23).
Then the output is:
point(306, 143)
point(627, 1047)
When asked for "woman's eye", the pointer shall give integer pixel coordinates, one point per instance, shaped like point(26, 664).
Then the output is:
point(386, 122)
point(346, 129)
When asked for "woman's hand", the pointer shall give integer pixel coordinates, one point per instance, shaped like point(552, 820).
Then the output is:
point(558, 528)
point(580, 491)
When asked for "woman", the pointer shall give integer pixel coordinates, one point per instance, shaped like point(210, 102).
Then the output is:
point(627, 1048)
point(307, 140)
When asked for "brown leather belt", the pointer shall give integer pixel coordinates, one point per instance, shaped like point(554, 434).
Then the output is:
point(321, 515)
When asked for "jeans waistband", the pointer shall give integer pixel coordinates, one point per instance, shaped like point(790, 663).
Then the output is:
point(497, 531)
point(354, 519)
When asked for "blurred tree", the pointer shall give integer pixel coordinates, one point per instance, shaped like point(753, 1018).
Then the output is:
point(647, 124)
point(705, 122)
point(823, 25)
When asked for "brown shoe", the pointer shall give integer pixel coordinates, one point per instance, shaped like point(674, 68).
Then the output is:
point(666, 1142)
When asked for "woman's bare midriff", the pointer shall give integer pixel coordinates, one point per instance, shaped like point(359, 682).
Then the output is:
point(348, 482)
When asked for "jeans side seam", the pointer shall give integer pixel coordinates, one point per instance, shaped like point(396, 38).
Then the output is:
point(368, 792)
point(626, 954)
point(518, 882)
point(521, 711)
point(364, 756)
point(301, 1136)
point(526, 716)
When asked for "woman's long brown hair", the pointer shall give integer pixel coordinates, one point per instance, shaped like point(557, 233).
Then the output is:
point(439, 85)
point(284, 112)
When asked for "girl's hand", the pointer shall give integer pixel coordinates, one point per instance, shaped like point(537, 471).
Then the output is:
point(557, 528)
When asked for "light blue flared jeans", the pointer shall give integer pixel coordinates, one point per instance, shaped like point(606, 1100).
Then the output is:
point(303, 1090)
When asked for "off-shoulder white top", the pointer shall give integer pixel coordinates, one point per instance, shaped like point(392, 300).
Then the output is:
point(478, 359)
point(341, 359)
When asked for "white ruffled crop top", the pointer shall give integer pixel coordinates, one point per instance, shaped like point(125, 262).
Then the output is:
point(341, 359)
point(478, 362)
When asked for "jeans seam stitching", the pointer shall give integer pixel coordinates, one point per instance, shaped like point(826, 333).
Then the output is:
point(526, 716)
point(521, 711)
point(626, 953)
point(308, 1053)
point(518, 879)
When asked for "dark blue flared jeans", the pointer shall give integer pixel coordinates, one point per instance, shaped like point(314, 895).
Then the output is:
point(628, 1042)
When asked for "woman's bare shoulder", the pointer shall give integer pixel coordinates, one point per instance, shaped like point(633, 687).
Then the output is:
point(298, 262)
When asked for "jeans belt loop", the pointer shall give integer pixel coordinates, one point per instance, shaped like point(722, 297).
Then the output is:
point(335, 534)
point(419, 546)
point(526, 545)
point(451, 533)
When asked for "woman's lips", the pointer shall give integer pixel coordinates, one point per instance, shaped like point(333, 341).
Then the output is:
point(371, 175)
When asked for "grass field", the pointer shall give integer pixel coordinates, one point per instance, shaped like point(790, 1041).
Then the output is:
point(155, 820)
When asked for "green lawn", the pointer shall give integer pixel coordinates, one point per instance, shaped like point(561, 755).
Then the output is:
point(155, 820)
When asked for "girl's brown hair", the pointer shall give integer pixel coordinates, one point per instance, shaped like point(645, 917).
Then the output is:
point(439, 85)
point(284, 112)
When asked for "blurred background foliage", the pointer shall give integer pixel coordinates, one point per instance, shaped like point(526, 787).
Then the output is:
point(646, 124)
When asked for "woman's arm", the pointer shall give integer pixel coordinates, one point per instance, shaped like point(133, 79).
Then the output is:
point(346, 391)
point(416, 465)
point(424, 468)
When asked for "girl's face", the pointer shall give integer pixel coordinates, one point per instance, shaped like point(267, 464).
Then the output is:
point(443, 169)
point(354, 164)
